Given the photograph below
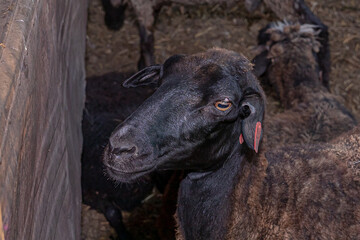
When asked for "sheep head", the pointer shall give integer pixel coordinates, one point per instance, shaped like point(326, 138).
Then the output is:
point(288, 54)
point(204, 103)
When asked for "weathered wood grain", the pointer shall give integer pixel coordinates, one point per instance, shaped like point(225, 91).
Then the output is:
point(41, 100)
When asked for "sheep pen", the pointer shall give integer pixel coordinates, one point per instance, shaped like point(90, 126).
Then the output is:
point(42, 98)
point(213, 26)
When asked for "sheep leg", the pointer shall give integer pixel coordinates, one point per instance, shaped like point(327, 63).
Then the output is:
point(113, 215)
point(144, 11)
point(146, 47)
point(114, 13)
point(111, 212)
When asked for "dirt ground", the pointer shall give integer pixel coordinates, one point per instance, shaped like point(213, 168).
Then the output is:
point(192, 29)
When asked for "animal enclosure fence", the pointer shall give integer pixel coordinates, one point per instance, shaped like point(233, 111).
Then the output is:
point(42, 88)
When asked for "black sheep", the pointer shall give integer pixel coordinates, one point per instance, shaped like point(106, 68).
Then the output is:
point(207, 118)
point(107, 104)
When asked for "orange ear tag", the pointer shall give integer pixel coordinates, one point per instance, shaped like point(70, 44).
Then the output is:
point(241, 139)
point(257, 136)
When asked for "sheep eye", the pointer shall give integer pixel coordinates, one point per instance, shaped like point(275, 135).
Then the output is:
point(223, 105)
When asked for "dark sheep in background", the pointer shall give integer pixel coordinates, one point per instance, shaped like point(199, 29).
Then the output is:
point(108, 104)
point(146, 11)
point(206, 104)
point(290, 65)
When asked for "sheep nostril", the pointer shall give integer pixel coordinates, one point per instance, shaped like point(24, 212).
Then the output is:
point(124, 151)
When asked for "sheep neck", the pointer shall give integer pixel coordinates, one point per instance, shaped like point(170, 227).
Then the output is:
point(204, 202)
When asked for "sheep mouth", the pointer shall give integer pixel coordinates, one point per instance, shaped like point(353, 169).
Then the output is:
point(127, 176)
point(129, 168)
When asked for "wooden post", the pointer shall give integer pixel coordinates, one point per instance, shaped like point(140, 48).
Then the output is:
point(42, 91)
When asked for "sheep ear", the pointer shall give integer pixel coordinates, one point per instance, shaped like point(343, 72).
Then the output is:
point(251, 126)
point(261, 63)
point(146, 76)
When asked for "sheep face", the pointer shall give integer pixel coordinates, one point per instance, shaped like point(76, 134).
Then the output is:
point(289, 54)
point(193, 121)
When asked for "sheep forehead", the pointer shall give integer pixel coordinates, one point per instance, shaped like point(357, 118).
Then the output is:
point(302, 39)
point(294, 32)
point(224, 58)
point(303, 28)
point(215, 66)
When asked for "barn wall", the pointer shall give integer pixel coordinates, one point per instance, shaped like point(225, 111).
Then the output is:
point(42, 86)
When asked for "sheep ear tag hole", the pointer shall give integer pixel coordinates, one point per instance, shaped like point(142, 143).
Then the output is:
point(241, 139)
point(257, 136)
